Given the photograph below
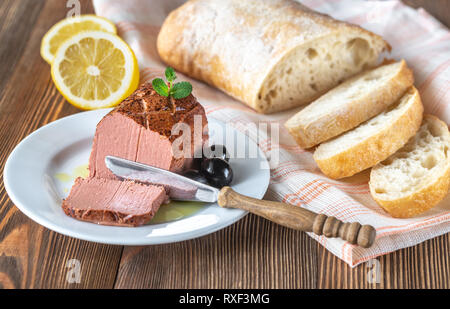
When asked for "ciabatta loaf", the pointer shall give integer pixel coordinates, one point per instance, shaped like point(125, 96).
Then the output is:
point(416, 177)
point(272, 54)
point(373, 141)
point(350, 104)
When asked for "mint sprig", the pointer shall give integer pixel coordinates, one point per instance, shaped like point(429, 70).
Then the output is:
point(177, 91)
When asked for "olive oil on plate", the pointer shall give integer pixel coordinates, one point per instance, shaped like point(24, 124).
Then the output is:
point(79, 171)
point(176, 210)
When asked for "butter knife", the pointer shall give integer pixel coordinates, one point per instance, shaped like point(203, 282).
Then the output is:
point(295, 217)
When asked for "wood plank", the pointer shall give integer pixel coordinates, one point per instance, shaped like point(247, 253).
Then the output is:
point(30, 255)
point(253, 253)
point(17, 19)
point(423, 266)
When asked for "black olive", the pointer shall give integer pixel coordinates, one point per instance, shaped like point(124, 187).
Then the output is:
point(217, 151)
point(195, 175)
point(217, 171)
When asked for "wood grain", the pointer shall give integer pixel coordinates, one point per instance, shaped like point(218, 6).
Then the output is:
point(30, 255)
point(253, 253)
point(11, 24)
point(256, 253)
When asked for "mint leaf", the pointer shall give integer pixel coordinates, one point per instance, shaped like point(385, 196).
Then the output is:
point(181, 90)
point(160, 87)
point(170, 74)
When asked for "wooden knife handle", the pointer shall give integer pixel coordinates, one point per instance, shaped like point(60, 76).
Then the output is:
point(299, 218)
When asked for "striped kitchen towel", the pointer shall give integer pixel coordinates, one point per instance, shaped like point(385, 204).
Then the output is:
point(295, 178)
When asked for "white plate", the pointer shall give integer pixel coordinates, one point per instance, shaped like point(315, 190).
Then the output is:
point(65, 144)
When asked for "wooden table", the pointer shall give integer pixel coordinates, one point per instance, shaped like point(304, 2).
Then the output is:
point(253, 253)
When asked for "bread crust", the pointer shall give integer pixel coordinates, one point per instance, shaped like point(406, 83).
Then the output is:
point(376, 148)
point(418, 202)
point(354, 113)
point(422, 200)
point(250, 45)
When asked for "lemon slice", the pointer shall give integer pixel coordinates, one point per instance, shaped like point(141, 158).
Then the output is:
point(67, 28)
point(95, 69)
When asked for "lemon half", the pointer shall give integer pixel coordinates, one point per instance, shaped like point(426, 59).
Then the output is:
point(95, 69)
point(67, 28)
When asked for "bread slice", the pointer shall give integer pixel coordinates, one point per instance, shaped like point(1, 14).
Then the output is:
point(272, 55)
point(416, 177)
point(350, 104)
point(373, 141)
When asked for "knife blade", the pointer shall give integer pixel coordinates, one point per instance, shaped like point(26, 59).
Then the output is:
point(178, 187)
